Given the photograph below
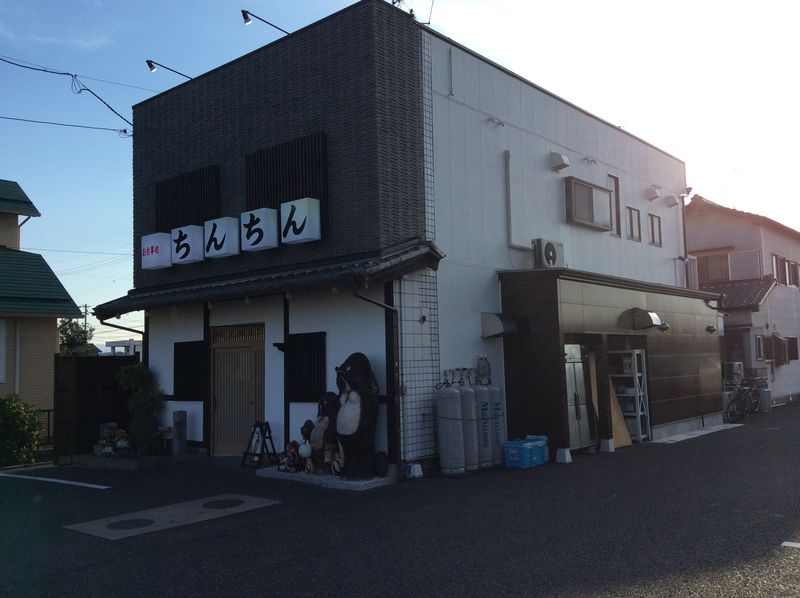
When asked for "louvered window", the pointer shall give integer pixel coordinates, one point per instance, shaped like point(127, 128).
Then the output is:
point(292, 170)
point(189, 198)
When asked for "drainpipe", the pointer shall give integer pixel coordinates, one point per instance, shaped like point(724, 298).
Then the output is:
point(393, 392)
point(685, 245)
point(16, 355)
point(120, 327)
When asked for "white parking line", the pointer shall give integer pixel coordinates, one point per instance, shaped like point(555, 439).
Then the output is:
point(169, 516)
point(791, 544)
point(695, 433)
point(55, 481)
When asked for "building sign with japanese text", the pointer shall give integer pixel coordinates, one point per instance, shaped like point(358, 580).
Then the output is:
point(297, 221)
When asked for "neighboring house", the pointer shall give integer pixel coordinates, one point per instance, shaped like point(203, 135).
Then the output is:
point(126, 347)
point(31, 301)
point(367, 185)
point(753, 261)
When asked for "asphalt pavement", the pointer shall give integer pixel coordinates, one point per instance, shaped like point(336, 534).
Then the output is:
point(707, 516)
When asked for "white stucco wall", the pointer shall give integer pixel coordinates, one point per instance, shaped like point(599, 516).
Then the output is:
point(166, 327)
point(481, 112)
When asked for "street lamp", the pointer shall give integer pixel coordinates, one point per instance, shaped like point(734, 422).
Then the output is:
point(246, 14)
point(152, 64)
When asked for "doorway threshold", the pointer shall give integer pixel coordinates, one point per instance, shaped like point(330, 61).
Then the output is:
point(326, 481)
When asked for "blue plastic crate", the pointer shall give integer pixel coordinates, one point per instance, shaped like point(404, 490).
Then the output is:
point(541, 442)
point(521, 454)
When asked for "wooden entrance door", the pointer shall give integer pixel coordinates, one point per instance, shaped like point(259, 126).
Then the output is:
point(238, 399)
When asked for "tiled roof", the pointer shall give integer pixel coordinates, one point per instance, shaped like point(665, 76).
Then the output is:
point(742, 294)
point(390, 263)
point(29, 287)
point(14, 201)
point(700, 203)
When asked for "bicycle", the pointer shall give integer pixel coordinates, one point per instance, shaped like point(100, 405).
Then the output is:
point(743, 403)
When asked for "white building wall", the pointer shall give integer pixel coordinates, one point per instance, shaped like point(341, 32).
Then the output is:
point(351, 325)
point(780, 312)
point(165, 328)
point(494, 192)
point(483, 116)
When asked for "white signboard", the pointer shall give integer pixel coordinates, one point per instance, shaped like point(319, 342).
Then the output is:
point(222, 237)
point(259, 229)
point(187, 244)
point(156, 251)
point(300, 221)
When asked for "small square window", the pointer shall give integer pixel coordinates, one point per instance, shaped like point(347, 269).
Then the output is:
point(759, 347)
point(779, 269)
point(588, 205)
point(792, 348)
point(713, 268)
point(634, 225)
point(655, 230)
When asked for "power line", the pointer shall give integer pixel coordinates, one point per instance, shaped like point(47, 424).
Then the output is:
point(82, 76)
point(77, 85)
point(73, 251)
point(122, 132)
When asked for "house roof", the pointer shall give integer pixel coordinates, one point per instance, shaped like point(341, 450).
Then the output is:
point(28, 287)
point(390, 263)
point(13, 200)
point(742, 294)
point(700, 203)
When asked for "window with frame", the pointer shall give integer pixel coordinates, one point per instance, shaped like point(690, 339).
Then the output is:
point(780, 350)
point(791, 273)
point(713, 268)
point(613, 184)
point(588, 205)
point(759, 347)
point(634, 224)
point(655, 229)
point(780, 269)
point(791, 342)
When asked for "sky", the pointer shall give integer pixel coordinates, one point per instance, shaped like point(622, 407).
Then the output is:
point(715, 84)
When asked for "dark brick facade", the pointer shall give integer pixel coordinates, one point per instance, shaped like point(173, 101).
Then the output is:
point(354, 76)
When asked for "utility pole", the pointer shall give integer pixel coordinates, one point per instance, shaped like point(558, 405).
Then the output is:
point(85, 316)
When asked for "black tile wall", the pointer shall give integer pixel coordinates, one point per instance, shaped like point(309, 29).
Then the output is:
point(354, 76)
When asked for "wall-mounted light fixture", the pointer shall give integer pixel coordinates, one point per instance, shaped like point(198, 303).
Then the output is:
point(558, 162)
point(152, 65)
point(590, 159)
point(672, 201)
point(711, 329)
point(246, 14)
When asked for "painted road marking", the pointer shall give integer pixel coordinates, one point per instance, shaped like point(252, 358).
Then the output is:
point(161, 518)
point(791, 544)
point(696, 433)
point(55, 481)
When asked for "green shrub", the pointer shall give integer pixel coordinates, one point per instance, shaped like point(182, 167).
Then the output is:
point(19, 431)
point(138, 380)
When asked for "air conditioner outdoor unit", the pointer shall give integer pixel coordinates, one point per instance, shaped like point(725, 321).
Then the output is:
point(733, 372)
point(547, 253)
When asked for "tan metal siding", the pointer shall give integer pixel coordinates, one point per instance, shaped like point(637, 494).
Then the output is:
point(9, 231)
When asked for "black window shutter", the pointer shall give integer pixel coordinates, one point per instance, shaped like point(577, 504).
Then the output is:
point(305, 358)
point(189, 198)
point(190, 371)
